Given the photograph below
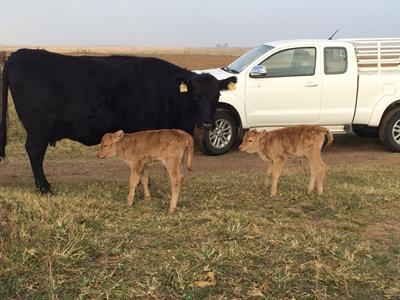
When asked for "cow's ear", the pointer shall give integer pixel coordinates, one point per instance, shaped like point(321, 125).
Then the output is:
point(182, 84)
point(228, 84)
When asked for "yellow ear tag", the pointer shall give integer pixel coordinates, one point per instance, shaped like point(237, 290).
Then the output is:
point(183, 88)
point(231, 86)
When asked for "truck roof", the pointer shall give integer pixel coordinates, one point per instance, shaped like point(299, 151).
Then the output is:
point(301, 42)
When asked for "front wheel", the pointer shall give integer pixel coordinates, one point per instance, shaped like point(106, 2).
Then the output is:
point(390, 130)
point(222, 137)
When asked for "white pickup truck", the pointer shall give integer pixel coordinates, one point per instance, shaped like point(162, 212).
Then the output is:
point(345, 85)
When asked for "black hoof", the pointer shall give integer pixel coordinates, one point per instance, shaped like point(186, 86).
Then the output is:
point(45, 190)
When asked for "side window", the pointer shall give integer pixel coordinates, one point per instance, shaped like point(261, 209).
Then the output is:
point(335, 60)
point(292, 62)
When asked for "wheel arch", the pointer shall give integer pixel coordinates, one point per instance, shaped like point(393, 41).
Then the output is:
point(232, 110)
point(389, 111)
point(393, 105)
point(383, 107)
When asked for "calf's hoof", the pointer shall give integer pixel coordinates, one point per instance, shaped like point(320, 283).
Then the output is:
point(171, 210)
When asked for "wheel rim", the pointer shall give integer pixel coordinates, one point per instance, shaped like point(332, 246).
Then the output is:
point(221, 135)
point(396, 132)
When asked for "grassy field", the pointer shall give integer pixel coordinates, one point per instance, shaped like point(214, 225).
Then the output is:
point(83, 243)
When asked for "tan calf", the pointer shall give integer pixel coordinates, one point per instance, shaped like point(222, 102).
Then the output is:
point(140, 149)
point(278, 145)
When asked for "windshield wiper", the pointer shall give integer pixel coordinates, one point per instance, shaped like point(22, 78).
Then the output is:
point(227, 69)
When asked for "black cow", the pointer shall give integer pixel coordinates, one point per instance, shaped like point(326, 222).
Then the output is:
point(83, 97)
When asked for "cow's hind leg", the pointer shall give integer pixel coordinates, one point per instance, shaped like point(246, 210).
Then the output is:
point(36, 149)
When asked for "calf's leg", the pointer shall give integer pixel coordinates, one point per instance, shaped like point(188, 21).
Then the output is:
point(145, 183)
point(277, 167)
point(321, 176)
point(133, 182)
point(266, 179)
point(317, 172)
point(174, 170)
point(313, 176)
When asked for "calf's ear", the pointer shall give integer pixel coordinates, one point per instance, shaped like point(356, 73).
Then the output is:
point(119, 135)
point(228, 84)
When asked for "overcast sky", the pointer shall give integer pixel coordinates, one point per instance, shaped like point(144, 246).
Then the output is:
point(191, 23)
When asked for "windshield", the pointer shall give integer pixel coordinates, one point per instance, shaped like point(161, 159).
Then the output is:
point(246, 59)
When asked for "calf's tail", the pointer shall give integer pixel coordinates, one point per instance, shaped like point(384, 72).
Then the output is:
point(4, 105)
point(329, 135)
point(189, 153)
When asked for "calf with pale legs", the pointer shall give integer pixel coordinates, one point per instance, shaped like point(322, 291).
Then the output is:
point(298, 141)
point(141, 149)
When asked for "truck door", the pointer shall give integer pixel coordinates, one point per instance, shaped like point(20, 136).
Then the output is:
point(290, 91)
point(339, 92)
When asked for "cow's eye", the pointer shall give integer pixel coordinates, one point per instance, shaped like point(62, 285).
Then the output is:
point(250, 141)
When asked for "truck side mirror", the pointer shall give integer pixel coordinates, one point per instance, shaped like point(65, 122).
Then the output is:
point(258, 71)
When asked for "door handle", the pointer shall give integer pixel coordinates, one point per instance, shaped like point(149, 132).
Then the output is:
point(310, 84)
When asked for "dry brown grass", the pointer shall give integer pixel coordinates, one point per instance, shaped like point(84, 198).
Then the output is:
point(84, 243)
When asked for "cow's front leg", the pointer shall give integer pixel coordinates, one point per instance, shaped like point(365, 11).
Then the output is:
point(36, 150)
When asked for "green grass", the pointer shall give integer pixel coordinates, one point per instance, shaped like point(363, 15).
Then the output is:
point(84, 243)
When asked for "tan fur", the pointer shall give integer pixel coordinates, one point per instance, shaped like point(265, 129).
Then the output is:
point(298, 141)
point(140, 149)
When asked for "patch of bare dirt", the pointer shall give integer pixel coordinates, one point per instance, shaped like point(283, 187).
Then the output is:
point(348, 151)
point(385, 231)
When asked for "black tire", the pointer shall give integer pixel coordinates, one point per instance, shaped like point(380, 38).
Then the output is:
point(389, 130)
point(366, 131)
point(223, 137)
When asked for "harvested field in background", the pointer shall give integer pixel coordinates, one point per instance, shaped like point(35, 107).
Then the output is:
point(191, 58)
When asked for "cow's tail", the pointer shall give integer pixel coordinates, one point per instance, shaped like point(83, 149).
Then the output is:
point(4, 107)
point(329, 136)
point(189, 153)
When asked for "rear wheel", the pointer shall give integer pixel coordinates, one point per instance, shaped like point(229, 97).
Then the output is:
point(389, 130)
point(222, 138)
